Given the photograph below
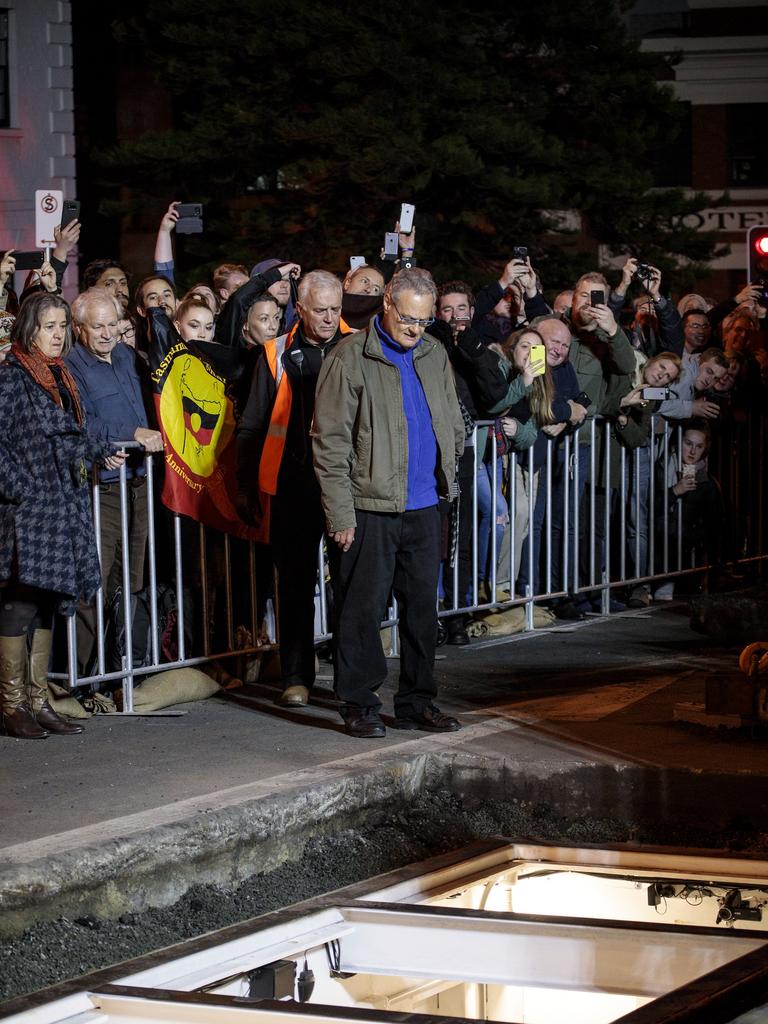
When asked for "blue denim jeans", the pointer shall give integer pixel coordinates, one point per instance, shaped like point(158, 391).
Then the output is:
point(484, 486)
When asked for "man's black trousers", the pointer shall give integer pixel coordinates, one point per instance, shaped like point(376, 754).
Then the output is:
point(296, 527)
point(398, 553)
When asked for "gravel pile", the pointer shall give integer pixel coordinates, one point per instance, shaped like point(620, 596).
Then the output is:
point(435, 823)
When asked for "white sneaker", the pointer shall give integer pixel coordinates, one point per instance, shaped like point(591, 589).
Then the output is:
point(666, 592)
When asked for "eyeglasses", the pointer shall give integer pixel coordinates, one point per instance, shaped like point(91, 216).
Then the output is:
point(129, 332)
point(411, 321)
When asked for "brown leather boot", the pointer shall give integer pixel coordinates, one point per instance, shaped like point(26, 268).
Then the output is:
point(39, 657)
point(17, 717)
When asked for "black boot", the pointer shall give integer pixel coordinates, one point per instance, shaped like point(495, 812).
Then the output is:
point(457, 630)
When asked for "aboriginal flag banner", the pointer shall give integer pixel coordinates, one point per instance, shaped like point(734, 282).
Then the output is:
point(197, 421)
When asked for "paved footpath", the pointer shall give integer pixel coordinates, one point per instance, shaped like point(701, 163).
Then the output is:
point(539, 710)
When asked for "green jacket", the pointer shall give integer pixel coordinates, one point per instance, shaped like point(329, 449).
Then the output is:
point(517, 390)
point(360, 434)
point(597, 358)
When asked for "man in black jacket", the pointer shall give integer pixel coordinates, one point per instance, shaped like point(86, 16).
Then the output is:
point(276, 479)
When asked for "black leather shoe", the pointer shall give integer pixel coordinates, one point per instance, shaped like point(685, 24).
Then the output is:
point(457, 631)
point(429, 719)
point(48, 719)
point(568, 611)
point(364, 724)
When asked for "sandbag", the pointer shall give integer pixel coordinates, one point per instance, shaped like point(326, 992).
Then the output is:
point(176, 686)
point(509, 621)
point(67, 706)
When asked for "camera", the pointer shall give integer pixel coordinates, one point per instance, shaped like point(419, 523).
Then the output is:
point(459, 321)
point(519, 252)
point(643, 271)
point(656, 394)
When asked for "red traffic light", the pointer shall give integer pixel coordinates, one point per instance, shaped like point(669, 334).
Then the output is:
point(757, 253)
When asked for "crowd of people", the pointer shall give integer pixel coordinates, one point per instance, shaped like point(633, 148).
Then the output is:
point(401, 418)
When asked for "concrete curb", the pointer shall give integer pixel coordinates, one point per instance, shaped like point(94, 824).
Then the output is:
point(152, 858)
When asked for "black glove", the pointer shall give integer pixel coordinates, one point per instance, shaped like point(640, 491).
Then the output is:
point(470, 343)
point(441, 331)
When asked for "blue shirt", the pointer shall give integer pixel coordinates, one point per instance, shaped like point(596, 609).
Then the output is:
point(112, 400)
point(422, 444)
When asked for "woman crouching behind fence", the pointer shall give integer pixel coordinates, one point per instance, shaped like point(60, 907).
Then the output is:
point(48, 557)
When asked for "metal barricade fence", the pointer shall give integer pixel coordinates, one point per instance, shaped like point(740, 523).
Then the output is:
point(592, 534)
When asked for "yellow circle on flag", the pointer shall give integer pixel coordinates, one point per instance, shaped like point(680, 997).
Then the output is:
point(196, 414)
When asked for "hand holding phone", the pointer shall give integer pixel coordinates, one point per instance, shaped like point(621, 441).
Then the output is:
point(391, 245)
point(656, 394)
point(538, 360)
point(407, 211)
point(190, 220)
point(70, 210)
point(32, 260)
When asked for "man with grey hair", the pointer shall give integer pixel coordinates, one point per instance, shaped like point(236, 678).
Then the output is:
point(110, 391)
point(387, 434)
point(276, 482)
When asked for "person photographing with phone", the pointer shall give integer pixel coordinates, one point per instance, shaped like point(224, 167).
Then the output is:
point(599, 351)
point(631, 403)
point(693, 500)
point(504, 305)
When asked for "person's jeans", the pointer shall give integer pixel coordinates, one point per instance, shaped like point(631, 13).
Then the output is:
point(638, 494)
point(484, 486)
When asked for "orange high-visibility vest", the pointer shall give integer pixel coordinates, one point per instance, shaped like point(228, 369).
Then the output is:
point(274, 444)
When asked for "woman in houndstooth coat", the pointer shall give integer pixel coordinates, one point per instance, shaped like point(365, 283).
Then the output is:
point(48, 558)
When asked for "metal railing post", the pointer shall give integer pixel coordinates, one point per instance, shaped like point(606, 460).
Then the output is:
point(127, 593)
point(149, 465)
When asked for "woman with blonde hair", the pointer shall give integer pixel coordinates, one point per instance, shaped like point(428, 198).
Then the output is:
point(526, 420)
point(632, 410)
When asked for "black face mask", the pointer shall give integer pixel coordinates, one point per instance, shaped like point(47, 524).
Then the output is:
point(357, 310)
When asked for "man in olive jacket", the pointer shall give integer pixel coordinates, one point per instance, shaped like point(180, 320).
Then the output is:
point(387, 433)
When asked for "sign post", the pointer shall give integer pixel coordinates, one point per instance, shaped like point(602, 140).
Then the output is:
point(48, 203)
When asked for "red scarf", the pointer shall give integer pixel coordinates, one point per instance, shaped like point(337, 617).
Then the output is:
point(38, 366)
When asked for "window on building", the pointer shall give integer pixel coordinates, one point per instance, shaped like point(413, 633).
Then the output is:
point(5, 100)
point(672, 160)
point(747, 144)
